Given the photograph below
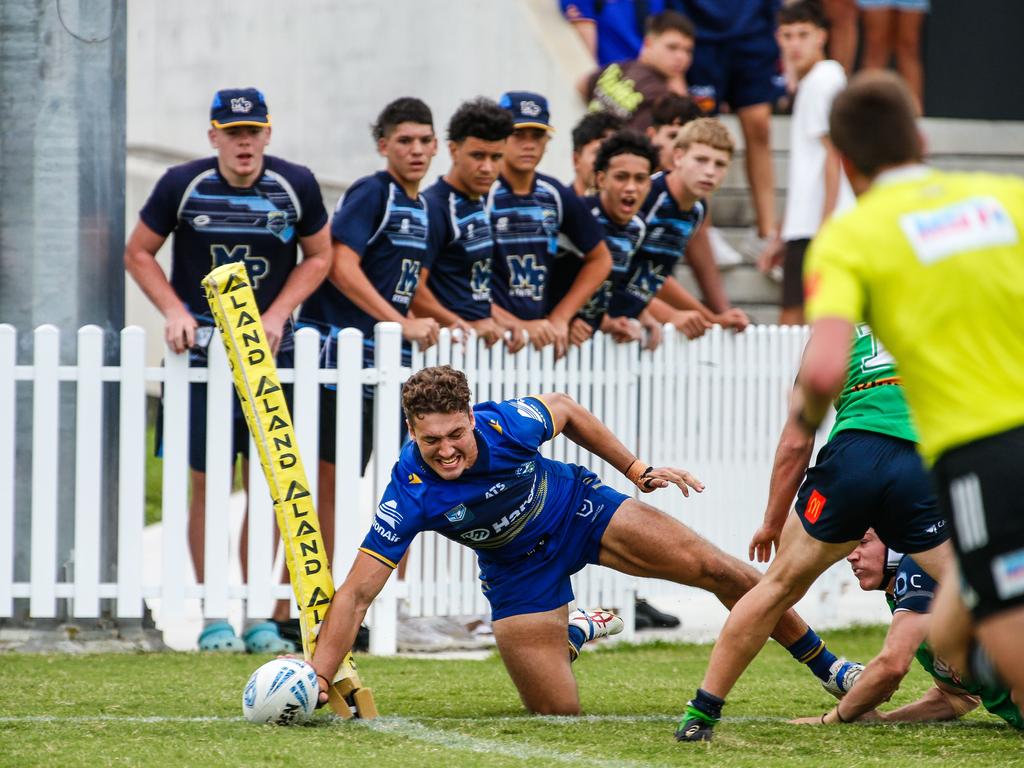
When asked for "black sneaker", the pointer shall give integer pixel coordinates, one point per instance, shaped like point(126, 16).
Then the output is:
point(654, 616)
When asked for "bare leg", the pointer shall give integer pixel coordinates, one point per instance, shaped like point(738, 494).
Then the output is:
point(1000, 636)
point(755, 121)
point(951, 628)
point(842, 43)
point(534, 648)
point(197, 524)
point(937, 560)
point(878, 43)
point(908, 53)
point(800, 560)
point(643, 541)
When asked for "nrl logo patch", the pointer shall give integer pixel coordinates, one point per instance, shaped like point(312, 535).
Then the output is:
point(457, 514)
point(241, 105)
point(277, 221)
point(526, 469)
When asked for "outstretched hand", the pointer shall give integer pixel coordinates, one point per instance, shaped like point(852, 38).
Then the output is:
point(761, 543)
point(648, 478)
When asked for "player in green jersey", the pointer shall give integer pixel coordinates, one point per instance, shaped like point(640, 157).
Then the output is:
point(909, 591)
point(868, 475)
point(934, 262)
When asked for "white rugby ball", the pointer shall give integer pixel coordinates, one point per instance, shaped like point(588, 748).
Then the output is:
point(281, 692)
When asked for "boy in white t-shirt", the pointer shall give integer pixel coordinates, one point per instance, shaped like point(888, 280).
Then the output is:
point(817, 185)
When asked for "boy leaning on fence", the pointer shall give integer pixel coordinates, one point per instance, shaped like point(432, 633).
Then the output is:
point(200, 202)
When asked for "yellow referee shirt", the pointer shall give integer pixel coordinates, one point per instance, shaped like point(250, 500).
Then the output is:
point(934, 263)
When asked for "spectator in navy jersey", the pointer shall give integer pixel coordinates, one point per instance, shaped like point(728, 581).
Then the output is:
point(382, 242)
point(240, 205)
point(587, 136)
point(529, 212)
point(456, 291)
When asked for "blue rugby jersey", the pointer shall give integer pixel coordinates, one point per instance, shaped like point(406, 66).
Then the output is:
point(392, 235)
point(502, 506)
point(622, 241)
point(214, 223)
point(669, 229)
point(461, 273)
point(526, 233)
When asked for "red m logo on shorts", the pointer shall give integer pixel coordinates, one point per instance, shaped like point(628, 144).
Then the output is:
point(815, 505)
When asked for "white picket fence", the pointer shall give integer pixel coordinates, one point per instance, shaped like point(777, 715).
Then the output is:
point(714, 406)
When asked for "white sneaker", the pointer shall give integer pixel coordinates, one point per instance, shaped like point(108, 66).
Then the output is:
point(753, 245)
point(725, 255)
point(595, 624)
point(841, 677)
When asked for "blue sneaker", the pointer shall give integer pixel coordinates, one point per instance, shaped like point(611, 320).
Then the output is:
point(220, 637)
point(841, 677)
point(265, 638)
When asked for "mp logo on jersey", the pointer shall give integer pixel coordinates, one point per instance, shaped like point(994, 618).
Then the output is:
point(257, 266)
point(480, 279)
point(527, 277)
point(407, 281)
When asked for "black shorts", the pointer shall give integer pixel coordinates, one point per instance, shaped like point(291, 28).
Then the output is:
point(740, 72)
point(328, 420)
point(793, 273)
point(867, 480)
point(981, 492)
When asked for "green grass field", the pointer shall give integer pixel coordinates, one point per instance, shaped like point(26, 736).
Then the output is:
point(185, 709)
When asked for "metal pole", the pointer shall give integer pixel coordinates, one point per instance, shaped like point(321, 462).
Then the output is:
point(62, 167)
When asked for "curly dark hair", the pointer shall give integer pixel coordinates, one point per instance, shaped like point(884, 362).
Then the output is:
point(480, 118)
point(625, 142)
point(404, 110)
point(441, 389)
point(593, 126)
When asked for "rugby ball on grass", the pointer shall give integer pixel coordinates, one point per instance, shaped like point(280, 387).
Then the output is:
point(281, 692)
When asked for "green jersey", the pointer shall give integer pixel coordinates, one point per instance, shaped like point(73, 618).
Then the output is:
point(913, 590)
point(872, 398)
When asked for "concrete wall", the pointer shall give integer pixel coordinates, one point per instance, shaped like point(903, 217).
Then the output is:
point(327, 68)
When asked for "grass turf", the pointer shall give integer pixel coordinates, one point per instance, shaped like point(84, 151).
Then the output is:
point(184, 709)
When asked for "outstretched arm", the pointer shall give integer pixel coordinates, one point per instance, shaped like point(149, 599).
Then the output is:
point(346, 612)
point(587, 431)
point(792, 456)
point(938, 703)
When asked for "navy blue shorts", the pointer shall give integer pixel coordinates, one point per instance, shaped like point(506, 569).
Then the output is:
point(197, 418)
point(540, 580)
point(867, 480)
point(740, 72)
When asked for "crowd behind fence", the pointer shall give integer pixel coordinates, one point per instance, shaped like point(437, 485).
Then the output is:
point(714, 406)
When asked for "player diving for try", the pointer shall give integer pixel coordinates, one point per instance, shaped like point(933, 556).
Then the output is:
point(474, 474)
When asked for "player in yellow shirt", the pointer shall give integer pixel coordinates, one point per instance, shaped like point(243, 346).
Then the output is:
point(934, 262)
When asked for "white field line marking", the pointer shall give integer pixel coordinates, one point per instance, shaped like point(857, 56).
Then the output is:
point(384, 721)
point(411, 729)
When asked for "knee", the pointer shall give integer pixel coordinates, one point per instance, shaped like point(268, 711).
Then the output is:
point(757, 130)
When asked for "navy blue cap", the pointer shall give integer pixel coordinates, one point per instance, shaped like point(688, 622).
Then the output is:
point(239, 106)
point(529, 110)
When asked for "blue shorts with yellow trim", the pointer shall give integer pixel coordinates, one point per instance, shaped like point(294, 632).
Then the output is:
point(539, 581)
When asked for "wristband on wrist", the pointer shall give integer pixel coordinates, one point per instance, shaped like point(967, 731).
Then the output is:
point(804, 423)
point(327, 683)
point(840, 717)
point(626, 470)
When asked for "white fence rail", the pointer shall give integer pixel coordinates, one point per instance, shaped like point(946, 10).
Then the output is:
point(714, 406)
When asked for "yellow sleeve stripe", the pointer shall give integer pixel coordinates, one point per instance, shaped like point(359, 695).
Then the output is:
point(376, 556)
point(554, 424)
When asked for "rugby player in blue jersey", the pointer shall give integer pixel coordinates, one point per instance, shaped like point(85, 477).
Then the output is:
point(381, 237)
point(475, 475)
point(529, 212)
point(240, 205)
point(456, 290)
